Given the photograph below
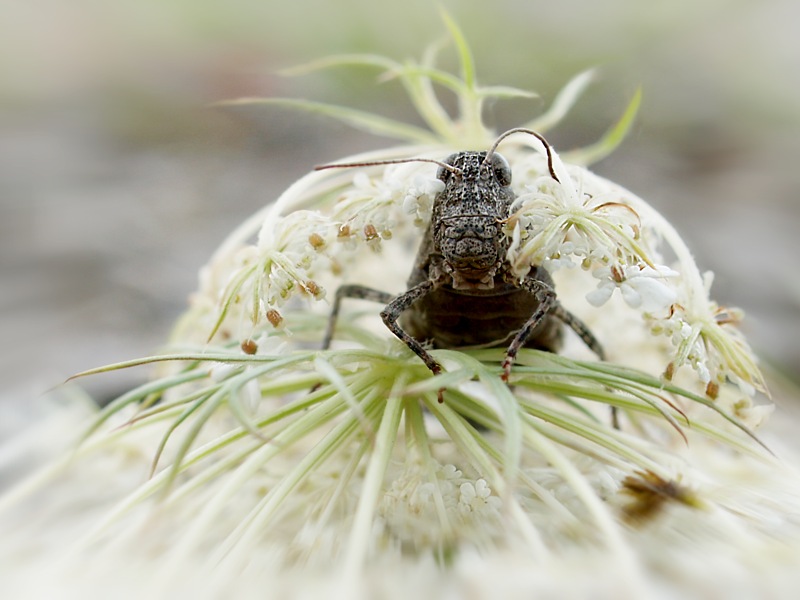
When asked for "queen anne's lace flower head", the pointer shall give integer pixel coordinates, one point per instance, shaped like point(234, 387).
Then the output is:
point(580, 221)
point(291, 455)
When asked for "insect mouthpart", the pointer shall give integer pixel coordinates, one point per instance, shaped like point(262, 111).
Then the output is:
point(469, 237)
point(470, 249)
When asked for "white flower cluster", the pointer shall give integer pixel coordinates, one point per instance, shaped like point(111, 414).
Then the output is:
point(287, 252)
point(252, 283)
point(578, 219)
point(410, 509)
point(641, 286)
point(584, 220)
point(367, 210)
point(419, 197)
point(710, 343)
point(370, 210)
point(551, 226)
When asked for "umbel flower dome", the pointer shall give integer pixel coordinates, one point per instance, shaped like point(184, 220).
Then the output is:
point(256, 463)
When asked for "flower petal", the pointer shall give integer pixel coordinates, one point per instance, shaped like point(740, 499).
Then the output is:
point(600, 296)
point(654, 295)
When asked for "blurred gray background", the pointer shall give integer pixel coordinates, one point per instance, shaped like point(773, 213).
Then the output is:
point(117, 181)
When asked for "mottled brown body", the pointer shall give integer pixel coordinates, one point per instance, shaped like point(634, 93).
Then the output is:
point(450, 318)
point(461, 292)
point(480, 304)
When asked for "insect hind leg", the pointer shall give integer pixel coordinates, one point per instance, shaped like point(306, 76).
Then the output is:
point(588, 338)
point(580, 328)
point(358, 292)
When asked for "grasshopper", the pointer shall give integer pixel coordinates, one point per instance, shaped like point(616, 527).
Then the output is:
point(462, 292)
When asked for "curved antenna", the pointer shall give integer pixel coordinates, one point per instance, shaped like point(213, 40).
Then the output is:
point(538, 136)
point(395, 161)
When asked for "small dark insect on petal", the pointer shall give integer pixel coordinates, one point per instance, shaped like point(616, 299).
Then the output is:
point(651, 494)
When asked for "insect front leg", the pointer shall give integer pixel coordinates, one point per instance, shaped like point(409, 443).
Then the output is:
point(546, 297)
point(394, 308)
point(580, 328)
point(392, 313)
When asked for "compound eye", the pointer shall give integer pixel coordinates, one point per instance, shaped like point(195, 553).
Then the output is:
point(501, 169)
point(443, 174)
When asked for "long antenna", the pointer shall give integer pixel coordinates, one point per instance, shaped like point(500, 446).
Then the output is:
point(395, 161)
point(538, 136)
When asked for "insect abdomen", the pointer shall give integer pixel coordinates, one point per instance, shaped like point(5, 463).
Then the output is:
point(450, 318)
